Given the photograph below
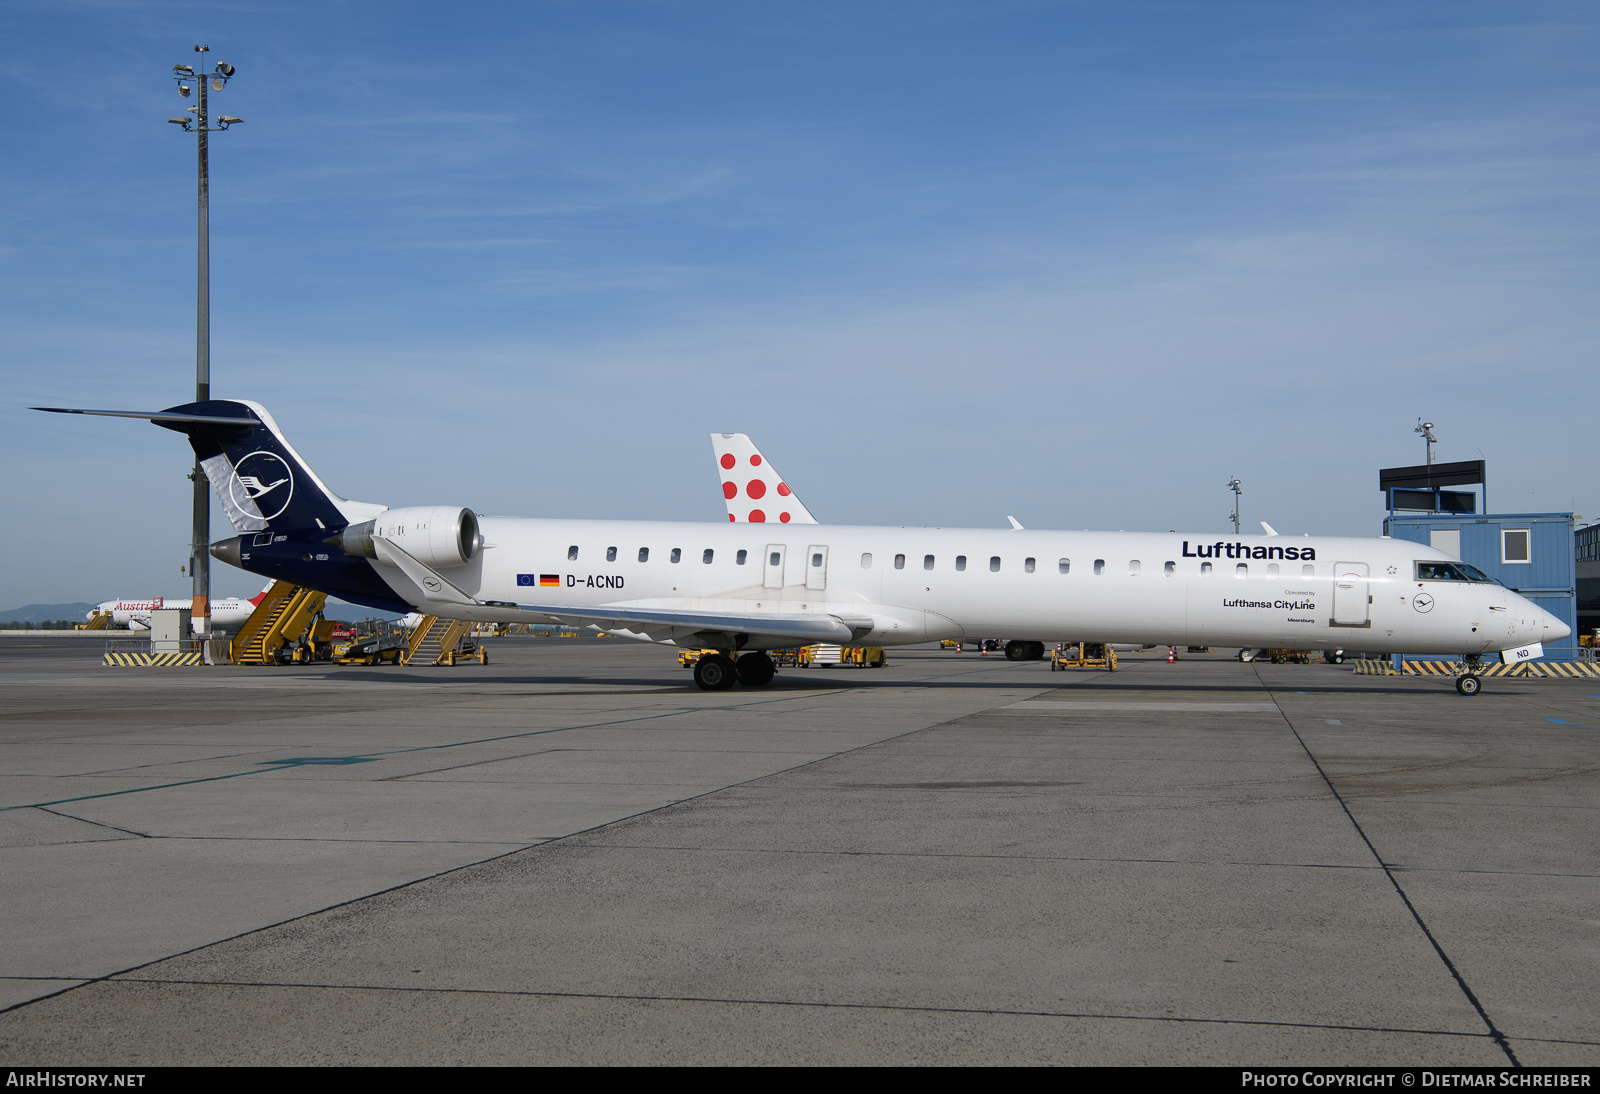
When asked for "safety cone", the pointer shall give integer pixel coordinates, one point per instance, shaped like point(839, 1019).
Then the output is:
point(1172, 655)
point(984, 648)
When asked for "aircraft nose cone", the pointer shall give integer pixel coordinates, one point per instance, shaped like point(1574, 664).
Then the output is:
point(1554, 629)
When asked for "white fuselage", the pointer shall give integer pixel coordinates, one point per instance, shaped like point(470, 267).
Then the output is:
point(227, 612)
point(1145, 588)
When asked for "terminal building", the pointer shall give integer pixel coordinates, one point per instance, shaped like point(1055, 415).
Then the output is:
point(1535, 554)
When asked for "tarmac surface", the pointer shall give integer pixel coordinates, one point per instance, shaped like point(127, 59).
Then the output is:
point(573, 856)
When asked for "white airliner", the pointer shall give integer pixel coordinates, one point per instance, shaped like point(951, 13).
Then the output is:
point(228, 611)
point(744, 589)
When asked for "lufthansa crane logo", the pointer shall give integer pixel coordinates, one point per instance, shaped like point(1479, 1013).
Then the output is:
point(263, 479)
point(1422, 602)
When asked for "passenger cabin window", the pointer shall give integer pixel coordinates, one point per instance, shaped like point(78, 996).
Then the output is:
point(961, 562)
point(866, 560)
point(774, 559)
point(816, 559)
point(1170, 568)
point(1064, 566)
point(1027, 565)
point(1134, 567)
point(738, 559)
point(927, 562)
point(706, 558)
point(899, 562)
point(1099, 566)
point(644, 554)
point(572, 554)
point(1272, 569)
point(611, 554)
point(677, 554)
point(1308, 570)
point(1241, 571)
point(994, 564)
point(1205, 568)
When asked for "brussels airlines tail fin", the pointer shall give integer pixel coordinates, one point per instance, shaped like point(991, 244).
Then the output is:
point(259, 478)
point(752, 486)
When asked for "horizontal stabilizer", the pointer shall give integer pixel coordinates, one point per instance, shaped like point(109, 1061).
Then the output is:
point(155, 416)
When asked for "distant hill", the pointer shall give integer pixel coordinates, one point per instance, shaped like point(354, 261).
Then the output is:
point(38, 613)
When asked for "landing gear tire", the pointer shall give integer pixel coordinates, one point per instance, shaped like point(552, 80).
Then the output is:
point(1035, 651)
point(1017, 651)
point(755, 670)
point(1468, 685)
point(1333, 657)
point(1247, 655)
point(714, 673)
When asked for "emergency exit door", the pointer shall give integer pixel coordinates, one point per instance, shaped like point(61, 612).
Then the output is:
point(816, 567)
point(773, 564)
point(1351, 597)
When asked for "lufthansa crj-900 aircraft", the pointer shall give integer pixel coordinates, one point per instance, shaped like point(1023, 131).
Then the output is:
point(745, 588)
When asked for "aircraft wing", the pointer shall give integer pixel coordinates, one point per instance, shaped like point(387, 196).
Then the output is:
point(741, 630)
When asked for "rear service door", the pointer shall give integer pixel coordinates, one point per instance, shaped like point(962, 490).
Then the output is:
point(773, 563)
point(1351, 598)
point(816, 567)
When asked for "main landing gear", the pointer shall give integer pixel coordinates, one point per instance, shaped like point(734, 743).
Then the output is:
point(719, 672)
point(1017, 650)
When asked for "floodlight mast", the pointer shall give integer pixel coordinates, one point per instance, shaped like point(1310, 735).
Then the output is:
point(200, 538)
point(1238, 491)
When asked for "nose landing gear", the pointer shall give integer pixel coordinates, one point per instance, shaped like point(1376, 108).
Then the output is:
point(1468, 683)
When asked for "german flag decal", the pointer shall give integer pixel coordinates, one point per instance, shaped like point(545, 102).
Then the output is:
point(550, 579)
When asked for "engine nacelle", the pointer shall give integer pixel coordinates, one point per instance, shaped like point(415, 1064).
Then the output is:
point(440, 536)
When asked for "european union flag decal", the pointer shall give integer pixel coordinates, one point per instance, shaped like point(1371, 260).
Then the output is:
point(527, 579)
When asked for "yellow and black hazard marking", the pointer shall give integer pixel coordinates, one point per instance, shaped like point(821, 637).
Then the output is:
point(148, 660)
point(1565, 668)
point(1366, 667)
point(1527, 669)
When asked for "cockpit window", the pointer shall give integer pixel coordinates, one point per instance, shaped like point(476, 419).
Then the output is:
point(1451, 571)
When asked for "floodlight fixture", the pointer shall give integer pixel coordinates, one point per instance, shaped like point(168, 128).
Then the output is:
point(226, 69)
point(183, 89)
point(183, 70)
point(179, 121)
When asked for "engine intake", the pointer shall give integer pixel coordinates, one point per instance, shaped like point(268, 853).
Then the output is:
point(435, 535)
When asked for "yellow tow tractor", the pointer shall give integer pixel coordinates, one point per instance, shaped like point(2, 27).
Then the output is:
point(1083, 655)
point(827, 656)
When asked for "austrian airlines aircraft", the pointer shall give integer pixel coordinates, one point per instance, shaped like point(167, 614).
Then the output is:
point(747, 588)
point(230, 611)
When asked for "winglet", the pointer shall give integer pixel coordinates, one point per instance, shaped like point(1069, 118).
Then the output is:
point(1015, 527)
point(752, 487)
point(1270, 530)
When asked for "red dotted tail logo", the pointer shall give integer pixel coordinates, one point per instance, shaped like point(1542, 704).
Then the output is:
point(783, 518)
point(756, 488)
point(757, 517)
point(729, 490)
point(783, 489)
point(730, 516)
point(727, 461)
point(755, 461)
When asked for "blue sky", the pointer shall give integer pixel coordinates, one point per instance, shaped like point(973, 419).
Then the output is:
point(1077, 262)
